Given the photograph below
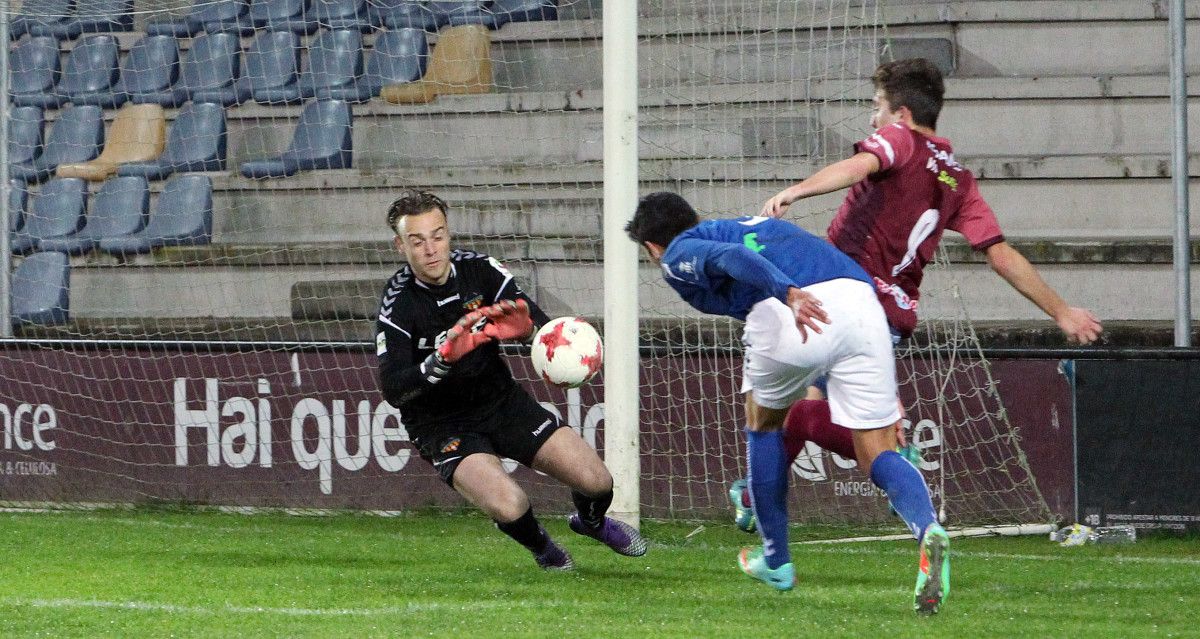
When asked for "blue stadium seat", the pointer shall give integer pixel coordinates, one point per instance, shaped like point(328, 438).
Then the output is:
point(196, 143)
point(18, 198)
point(224, 16)
point(405, 14)
point(183, 216)
point(76, 136)
point(91, 71)
point(24, 134)
point(39, 290)
point(399, 56)
point(322, 141)
point(49, 13)
point(338, 14)
point(178, 26)
point(282, 15)
point(34, 68)
point(334, 66)
point(149, 70)
point(272, 68)
point(210, 72)
point(116, 210)
point(500, 12)
point(56, 211)
point(458, 12)
point(91, 16)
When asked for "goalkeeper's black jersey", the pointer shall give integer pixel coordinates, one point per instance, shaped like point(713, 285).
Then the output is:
point(412, 322)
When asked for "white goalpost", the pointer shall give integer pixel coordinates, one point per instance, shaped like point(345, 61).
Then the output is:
point(198, 244)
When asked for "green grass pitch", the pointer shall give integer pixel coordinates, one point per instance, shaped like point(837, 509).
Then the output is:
point(147, 573)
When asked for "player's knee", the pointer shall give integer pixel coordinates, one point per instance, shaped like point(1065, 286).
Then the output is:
point(507, 504)
point(599, 482)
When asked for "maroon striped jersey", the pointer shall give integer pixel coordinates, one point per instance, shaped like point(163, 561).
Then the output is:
point(891, 222)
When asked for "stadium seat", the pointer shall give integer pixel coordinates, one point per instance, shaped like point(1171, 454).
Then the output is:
point(18, 199)
point(49, 13)
point(39, 290)
point(33, 71)
point(182, 216)
point(90, 72)
point(196, 143)
point(56, 211)
point(117, 209)
point(322, 141)
point(210, 16)
point(398, 57)
point(406, 14)
point(335, 14)
point(223, 16)
point(24, 135)
point(91, 16)
point(460, 63)
point(149, 70)
point(458, 12)
point(282, 15)
point(334, 66)
point(138, 134)
point(209, 73)
point(494, 15)
point(272, 68)
point(76, 136)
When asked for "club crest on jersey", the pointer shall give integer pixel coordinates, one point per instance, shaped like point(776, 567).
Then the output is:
point(451, 445)
point(473, 303)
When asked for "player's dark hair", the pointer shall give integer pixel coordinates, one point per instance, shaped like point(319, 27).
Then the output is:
point(414, 202)
point(660, 217)
point(915, 83)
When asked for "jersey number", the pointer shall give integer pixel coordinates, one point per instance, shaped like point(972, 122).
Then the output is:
point(925, 225)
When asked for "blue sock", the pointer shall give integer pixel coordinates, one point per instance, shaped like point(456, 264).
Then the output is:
point(768, 494)
point(906, 490)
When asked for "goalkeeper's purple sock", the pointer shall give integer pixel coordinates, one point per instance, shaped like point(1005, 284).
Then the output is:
point(768, 494)
point(906, 490)
point(526, 531)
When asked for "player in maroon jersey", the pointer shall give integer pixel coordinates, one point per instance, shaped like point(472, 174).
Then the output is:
point(906, 189)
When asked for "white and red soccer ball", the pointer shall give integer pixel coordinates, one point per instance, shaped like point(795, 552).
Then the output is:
point(567, 352)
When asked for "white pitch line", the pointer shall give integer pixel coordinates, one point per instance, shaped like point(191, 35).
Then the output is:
point(846, 550)
point(149, 606)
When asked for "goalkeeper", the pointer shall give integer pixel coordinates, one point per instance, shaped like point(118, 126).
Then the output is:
point(782, 281)
point(440, 322)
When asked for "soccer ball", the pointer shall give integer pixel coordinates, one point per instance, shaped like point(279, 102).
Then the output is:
point(567, 352)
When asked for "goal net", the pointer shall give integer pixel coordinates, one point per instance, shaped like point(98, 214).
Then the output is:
point(197, 202)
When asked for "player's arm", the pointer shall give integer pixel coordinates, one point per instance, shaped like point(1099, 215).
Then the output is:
point(1078, 324)
point(401, 378)
point(748, 267)
point(513, 314)
point(836, 176)
point(977, 222)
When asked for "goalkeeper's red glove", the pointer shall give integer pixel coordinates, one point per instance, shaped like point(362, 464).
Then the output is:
point(462, 338)
point(509, 319)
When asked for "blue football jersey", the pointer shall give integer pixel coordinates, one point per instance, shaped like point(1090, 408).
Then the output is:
point(724, 267)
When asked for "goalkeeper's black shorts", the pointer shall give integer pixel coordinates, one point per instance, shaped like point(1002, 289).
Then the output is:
point(516, 428)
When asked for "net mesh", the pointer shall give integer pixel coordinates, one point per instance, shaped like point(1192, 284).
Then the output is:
point(217, 174)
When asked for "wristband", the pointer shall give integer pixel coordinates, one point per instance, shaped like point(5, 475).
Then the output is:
point(435, 368)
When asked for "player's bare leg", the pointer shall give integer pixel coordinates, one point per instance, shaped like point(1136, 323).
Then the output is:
point(909, 497)
point(767, 462)
point(569, 459)
point(481, 479)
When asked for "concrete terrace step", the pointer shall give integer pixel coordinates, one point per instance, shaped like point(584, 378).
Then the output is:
point(322, 282)
point(1055, 36)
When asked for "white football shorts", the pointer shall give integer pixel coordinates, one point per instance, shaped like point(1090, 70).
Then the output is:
point(854, 349)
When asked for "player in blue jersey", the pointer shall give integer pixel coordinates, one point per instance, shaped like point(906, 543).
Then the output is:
point(809, 310)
